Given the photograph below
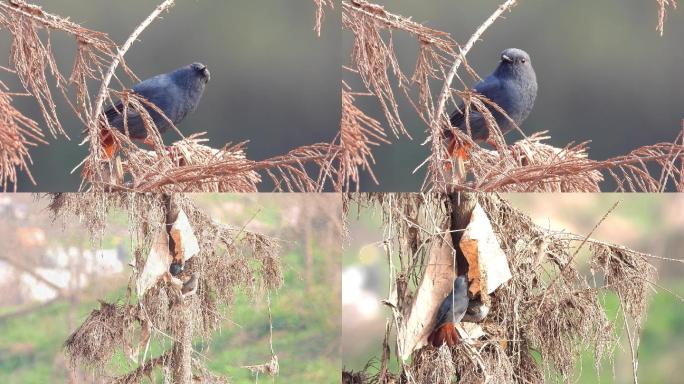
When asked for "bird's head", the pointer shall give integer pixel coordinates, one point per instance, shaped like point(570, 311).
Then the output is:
point(515, 56)
point(460, 285)
point(202, 71)
point(514, 61)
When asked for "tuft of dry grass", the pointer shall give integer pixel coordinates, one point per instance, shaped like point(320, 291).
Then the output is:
point(94, 342)
point(548, 306)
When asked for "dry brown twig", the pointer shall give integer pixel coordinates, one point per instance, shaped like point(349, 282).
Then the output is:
point(662, 10)
point(320, 13)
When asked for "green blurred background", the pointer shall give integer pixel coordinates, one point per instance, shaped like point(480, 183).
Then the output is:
point(647, 223)
point(604, 74)
point(306, 310)
point(273, 80)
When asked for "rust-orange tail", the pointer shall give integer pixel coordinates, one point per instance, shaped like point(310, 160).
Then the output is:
point(445, 334)
point(459, 151)
point(109, 144)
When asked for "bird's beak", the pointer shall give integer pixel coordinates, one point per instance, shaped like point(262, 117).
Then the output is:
point(506, 59)
point(206, 73)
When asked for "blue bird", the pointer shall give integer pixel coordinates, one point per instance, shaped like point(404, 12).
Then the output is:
point(451, 311)
point(176, 93)
point(512, 86)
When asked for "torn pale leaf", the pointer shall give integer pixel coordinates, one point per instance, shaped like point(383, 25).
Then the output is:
point(469, 332)
point(184, 237)
point(437, 282)
point(488, 263)
point(157, 263)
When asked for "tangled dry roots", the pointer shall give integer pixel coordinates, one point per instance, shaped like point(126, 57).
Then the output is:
point(548, 309)
point(95, 341)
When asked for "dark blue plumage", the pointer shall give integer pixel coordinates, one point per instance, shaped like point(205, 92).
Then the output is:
point(451, 311)
point(512, 86)
point(175, 268)
point(176, 93)
point(455, 305)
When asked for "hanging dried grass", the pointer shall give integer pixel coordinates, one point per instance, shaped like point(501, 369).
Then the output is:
point(93, 343)
point(358, 134)
point(229, 259)
point(17, 134)
point(32, 59)
point(662, 9)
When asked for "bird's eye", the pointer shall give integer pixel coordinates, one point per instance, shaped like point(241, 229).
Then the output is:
point(523, 61)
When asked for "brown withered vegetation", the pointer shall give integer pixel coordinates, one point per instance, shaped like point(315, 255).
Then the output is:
point(522, 166)
point(358, 133)
point(548, 306)
point(17, 134)
point(189, 164)
point(229, 259)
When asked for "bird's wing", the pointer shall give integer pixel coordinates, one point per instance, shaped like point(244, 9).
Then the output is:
point(153, 87)
point(488, 87)
point(443, 314)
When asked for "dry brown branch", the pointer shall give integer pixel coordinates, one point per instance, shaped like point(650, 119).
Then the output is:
point(548, 306)
point(536, 167)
